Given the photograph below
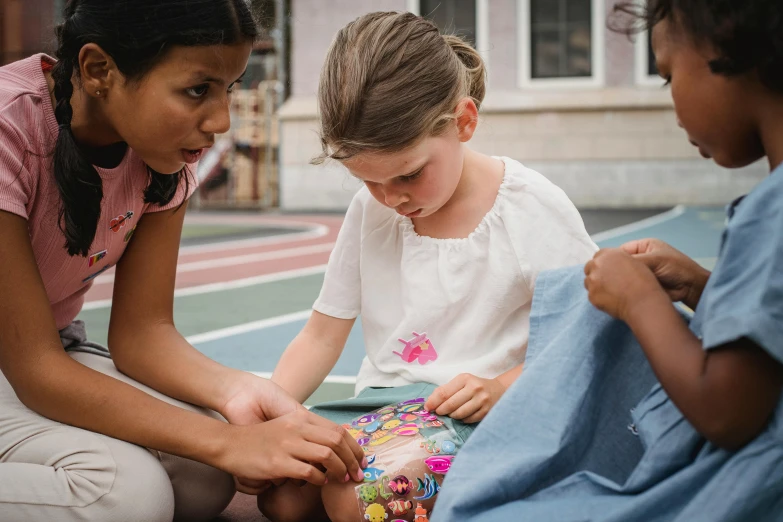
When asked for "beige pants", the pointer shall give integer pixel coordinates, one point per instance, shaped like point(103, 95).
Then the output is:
point(54, 472)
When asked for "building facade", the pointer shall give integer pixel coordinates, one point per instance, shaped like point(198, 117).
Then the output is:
point(566, 96)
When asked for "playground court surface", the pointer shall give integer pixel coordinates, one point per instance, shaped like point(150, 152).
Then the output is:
point(245, 282)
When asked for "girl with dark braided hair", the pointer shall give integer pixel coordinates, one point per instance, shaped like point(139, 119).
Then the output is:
point(97, 152)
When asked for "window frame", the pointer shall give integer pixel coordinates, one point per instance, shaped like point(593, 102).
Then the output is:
point(642, 61)
point(525, 79)
point(482, 25)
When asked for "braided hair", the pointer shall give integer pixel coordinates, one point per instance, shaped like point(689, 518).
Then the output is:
point(137, 34)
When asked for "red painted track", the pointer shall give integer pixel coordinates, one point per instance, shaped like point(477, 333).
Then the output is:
point(308, 246)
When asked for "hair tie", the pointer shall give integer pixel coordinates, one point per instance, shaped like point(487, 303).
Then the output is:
point(64, 126)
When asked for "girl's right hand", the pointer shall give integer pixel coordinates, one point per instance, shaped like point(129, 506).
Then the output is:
point(298, 445)
point(681, 277)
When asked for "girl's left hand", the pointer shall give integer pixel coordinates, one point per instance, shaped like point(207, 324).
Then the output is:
point(466, 397)
point(616, 282)
point(252, 400)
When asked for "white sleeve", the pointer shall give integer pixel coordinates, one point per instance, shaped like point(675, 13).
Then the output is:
point(551, 232)
point(341, 293)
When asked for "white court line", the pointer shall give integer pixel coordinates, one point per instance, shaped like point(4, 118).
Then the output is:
point(238, 260)
point(331, 379)
point(314, 232)
point(227, 285)
point(639, 225)
point(248, 327)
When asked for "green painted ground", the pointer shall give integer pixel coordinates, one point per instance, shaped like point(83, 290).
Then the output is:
point(201, 313)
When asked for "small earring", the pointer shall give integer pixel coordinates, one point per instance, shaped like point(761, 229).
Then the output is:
point(97, 93)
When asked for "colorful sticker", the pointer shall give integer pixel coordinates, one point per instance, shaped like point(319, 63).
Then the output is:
point(379, 434)
point(400, 485)
point(384, 486)
point(97, 257)
point(430, 446)
point(406, 430)
point(448, 446)
point(418, 400)
point(129, 234)
point(368, 493)
point(375, 513)
point(117, 223)
point(365, 420)
point(372, 474)
point(439, 464)
point(421, 513)
point(392, 424)
point(400, 507)
point(410, 408)
point(380, 441)
point(96, 274)
point(420, 347)
point(429, 486)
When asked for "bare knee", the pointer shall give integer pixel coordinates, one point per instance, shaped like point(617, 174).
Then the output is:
point(292, 503)
point(341, 502)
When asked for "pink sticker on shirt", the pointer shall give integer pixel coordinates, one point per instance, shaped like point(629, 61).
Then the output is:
point(420, 347)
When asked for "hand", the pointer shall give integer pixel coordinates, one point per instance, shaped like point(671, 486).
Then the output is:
point(616, 282)
point(298, 445)
point(466, 397)
point(681, 277)
point(252, 400)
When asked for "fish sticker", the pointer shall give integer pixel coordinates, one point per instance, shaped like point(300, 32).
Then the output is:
point(372, 474)
point(375, 513)
point(439, 464)
point(421, 513)
point(400, 485)
point(400, 507)
point(368, 493)
point(429, 486)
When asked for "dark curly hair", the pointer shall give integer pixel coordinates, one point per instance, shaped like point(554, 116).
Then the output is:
point(747, 34)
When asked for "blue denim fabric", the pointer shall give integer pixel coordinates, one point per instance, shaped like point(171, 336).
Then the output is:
point(562, 444)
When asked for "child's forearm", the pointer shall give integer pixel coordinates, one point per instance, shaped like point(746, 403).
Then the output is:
point(304, 366)
point(724, 393)
point(508, 378)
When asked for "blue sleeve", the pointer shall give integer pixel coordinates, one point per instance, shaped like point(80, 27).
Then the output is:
point(744, 296)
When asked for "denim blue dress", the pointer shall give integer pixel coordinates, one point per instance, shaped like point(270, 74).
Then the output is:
point(587, 433)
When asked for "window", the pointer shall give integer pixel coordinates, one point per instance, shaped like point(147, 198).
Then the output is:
point(466, 18)
point(646, 71)
point(561, 42)
point(455, 16)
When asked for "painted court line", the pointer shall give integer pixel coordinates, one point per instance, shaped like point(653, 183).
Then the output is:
point(239, 260)
point(227, 285)
point(314, 233)
point(639, 225)
point(248, 327)
point(331, 379)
